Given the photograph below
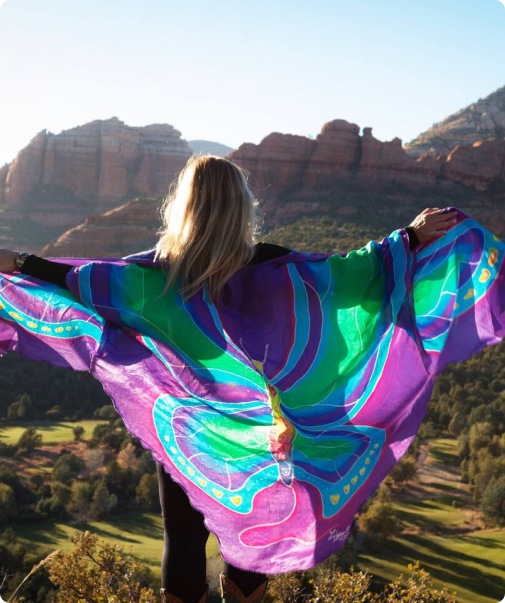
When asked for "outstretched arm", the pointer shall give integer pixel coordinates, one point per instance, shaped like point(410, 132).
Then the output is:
point(54, 272)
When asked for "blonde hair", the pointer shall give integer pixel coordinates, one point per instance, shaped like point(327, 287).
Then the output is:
point(210, 224)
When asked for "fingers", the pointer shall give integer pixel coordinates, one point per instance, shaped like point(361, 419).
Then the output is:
point(437, 210)
point(445, 219)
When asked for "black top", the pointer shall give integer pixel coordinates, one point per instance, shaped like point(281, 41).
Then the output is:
point(55, 272)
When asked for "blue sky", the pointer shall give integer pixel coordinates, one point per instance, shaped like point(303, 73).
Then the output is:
point(234, 71)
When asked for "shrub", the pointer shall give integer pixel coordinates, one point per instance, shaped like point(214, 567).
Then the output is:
point(29, 440)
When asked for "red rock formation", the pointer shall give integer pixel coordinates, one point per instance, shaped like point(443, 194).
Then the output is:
point(480, 164)
point(340, 172)
point(102, 162)
point(130, 228)
point(340, 155)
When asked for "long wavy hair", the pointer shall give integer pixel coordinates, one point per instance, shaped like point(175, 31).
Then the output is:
point(211, 221)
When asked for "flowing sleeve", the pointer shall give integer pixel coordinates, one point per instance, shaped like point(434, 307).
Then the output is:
point(459, 292)
point(44, 321)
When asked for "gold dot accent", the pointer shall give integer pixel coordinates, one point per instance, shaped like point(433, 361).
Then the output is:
point(347, 489)
point(456, 305)
point(218, 493)
point(484, 275)
point(31, 324)
point(181, 460)
point(367, 461)
point(167, 438)
point(495, 238)
point(202, 482)
point(16, 315)
point(362, 470)
point(236, 500)
point(172, 449)
point(76, 327)
point(69, 328)
point(376, 445)
point(2, 305)
point(45, 329)
point(493, 256)
point(335, 498)
point(58, 329)
point(354, 479)
point(191, 471)
point(470, 293)
point(372, 452)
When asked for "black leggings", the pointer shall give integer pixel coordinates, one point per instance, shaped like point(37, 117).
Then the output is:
point(183, 565)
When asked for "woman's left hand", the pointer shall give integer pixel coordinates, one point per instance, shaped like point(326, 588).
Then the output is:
point(7, 263)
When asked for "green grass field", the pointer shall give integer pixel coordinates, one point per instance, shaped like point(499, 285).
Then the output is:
point(473, 565)
point(143, 531)
point(438, 515)
point(53, 432)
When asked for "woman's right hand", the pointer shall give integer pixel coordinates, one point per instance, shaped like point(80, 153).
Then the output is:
point(432, 223)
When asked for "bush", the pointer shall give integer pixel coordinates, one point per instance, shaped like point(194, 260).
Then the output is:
point(29, 440)
point(493, 502)
point(99, 573)
point(78, 433)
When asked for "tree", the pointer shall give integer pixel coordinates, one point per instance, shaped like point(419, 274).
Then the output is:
point(8, 506)
point(380, 522)
point(94, 459)
point(404, 471)
point(81, 499)
point(127, 457)
point(458, 424)
point(106, 412)
point(493, 502)
point(103, 501)
point(29, 440)
point(78, 433)
point(67, 467)
point(147, 493)
point(21, 409)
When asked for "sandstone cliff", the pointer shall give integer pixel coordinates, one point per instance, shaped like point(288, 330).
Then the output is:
point(342, 173)
point(126, 229)
point(57, 180)
point(481, 120)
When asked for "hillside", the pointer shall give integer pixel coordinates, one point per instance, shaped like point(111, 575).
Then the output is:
point(481, 120)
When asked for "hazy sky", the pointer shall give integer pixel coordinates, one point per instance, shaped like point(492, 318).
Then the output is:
point(234, 71)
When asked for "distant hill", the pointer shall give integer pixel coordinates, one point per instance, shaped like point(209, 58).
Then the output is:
point(207, 146)
point(481, 120)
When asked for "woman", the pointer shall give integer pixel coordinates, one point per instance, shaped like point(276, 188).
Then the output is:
point(210, 226)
